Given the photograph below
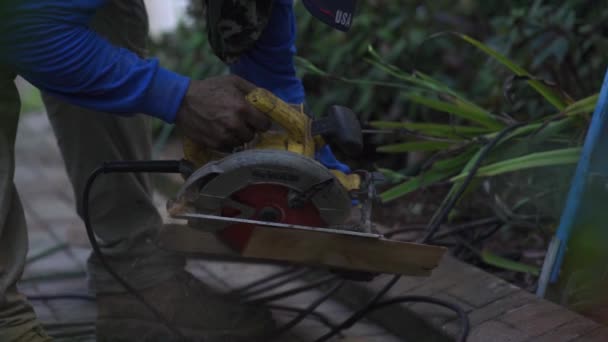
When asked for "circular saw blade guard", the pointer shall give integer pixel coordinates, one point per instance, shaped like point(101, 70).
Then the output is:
point(263, 185)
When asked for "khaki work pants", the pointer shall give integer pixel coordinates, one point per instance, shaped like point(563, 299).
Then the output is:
point(123, 214)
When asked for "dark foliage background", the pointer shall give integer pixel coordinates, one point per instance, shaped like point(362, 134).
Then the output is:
point(563, 43)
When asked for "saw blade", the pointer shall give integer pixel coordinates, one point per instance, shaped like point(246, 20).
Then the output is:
point(277, 225)
point(264, 185)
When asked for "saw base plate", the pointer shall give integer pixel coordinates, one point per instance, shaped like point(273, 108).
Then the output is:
point(316, 248)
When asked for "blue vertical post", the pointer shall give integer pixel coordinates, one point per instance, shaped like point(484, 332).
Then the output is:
point(594, 159)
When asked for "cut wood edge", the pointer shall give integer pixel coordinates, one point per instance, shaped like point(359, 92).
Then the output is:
point(344, 251)
point(309, 248)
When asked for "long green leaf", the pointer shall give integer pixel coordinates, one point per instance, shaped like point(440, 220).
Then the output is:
point(540, 134)
point(459, 99)
point(305, 64)
point(584, 106)
point(414, 184)
point(480, 117)
point(456, 162)
point(551, 130)
point(504, 263)
point(439, 85)
point(456, 186)
point(549, 94)
point(415, 146)
point(540, 159)
point(527, 129)
point(420, 79)
point(391, 175)
point(438, 130)
point(404, 77)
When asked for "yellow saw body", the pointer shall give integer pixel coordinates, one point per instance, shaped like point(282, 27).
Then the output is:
point(296, 136)
point(313, 194)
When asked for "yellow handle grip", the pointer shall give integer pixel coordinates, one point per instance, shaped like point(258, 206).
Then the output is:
point(296, 123)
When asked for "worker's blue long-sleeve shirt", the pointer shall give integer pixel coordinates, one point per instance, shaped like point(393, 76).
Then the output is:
point(270, 63)
point(49, 43)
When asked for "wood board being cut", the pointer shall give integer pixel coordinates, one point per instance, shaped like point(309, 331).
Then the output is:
point(310, 248)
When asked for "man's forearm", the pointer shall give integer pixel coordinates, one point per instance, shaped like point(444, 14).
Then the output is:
point(50, 44)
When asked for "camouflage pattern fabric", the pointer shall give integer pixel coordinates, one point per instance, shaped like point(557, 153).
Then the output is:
point(234, 26)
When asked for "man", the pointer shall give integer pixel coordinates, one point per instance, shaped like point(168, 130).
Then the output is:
point(88, 58)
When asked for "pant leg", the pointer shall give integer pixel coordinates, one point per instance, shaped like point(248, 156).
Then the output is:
point(16, 315)
point(122, 211)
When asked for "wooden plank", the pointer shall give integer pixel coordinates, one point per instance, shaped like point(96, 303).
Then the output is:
point(343, 251)
point(184, 239)
point(313, 248)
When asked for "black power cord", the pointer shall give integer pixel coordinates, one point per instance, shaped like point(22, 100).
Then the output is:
point(252, 287)
point(169, 166)
point(462, 315)
point(322, 318)
point(174, 166)
point(373, 304)
point(293, 292)
point(445, 210)
point(271, 286)
point(61, 296)
point(350, 321)
point(306, 312)
point(432, 230)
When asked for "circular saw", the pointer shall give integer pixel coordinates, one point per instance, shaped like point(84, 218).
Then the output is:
point(272, 199)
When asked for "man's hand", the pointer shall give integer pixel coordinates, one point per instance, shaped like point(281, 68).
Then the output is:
point(215, 113)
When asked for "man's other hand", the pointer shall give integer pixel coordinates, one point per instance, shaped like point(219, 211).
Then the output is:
point(216, 114)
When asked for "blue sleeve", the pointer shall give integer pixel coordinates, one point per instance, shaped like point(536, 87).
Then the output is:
point(270, 65)
point(49, 43)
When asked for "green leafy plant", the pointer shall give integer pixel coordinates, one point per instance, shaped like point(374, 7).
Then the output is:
point(541, 141)
point(440, 98)
point(477, 125)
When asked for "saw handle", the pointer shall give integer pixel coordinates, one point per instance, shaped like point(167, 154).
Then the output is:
point(341, 128)
point(296, 123)
point(304, 135)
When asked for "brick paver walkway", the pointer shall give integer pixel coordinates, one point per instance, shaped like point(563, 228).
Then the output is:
point(56, 230)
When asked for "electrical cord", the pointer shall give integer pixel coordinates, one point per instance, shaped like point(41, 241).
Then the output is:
point(306, 312)
point(432, 230)
point(270, 287)
point(319, 316)
point(462, 315)
point(61, 296)
point(292, 292)
point(170, 166)
point(350, 321)
point(445, 210)
point(263, 281)
point(373, 304)
point(84, 297)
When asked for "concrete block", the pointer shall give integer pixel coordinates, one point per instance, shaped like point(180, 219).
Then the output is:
point(480, 291)
point(597, 335)
point(494, 309)
point(538, 318)
point(567, 332)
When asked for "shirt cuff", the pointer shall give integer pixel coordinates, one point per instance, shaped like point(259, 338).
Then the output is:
point(164, 97)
